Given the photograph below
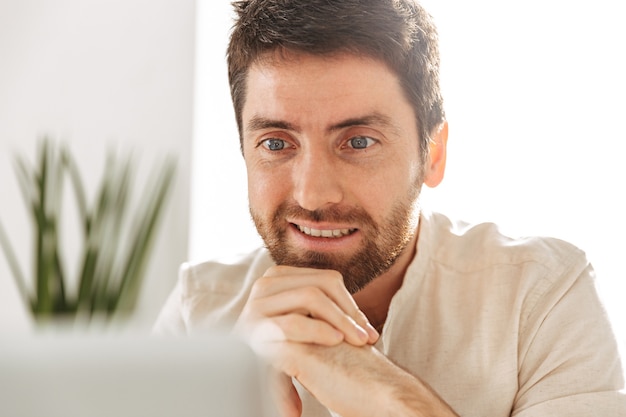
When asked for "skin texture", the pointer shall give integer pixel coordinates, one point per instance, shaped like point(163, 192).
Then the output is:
point(331, 144)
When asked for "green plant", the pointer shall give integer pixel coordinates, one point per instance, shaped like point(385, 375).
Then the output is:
point(115, 246)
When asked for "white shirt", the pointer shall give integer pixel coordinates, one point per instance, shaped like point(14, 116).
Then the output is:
point(497, 326)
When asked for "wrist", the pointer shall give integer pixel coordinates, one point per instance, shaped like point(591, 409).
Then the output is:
point(407, 395)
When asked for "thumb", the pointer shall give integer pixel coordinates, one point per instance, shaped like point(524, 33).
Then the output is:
point(286, 397)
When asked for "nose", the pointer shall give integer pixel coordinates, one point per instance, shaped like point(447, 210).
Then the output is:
point(317, 182)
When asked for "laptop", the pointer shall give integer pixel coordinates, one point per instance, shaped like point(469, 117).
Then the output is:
point(131, 376)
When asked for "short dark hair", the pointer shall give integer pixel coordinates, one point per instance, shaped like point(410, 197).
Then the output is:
point(399, 33)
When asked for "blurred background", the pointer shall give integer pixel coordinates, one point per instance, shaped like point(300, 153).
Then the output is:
point(534, 92)
point(98, 75)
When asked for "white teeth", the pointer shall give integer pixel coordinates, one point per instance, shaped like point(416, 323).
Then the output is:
point(330, 233)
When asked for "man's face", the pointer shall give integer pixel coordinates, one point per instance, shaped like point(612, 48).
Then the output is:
point(332, 154)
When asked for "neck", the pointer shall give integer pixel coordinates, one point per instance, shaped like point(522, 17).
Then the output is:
point(375, 298)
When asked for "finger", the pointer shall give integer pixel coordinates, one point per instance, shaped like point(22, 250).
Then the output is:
point(372, 333)
point(302, 329)
point(311, 303)
point(330, 282)
point(267, 335)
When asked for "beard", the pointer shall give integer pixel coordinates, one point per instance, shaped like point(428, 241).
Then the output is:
point(382, 243)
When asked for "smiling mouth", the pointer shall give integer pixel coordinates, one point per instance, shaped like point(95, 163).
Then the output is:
point(327, 233)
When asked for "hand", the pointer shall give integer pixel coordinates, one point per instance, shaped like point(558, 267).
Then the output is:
point(300, 305)
point(303, 305)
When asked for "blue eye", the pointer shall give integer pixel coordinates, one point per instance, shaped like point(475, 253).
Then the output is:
point(274, 144)
point(361, 142)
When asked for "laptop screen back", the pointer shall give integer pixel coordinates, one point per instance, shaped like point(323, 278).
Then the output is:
point(99, 376)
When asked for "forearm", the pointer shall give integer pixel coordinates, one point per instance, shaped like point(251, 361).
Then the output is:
point(360, 381)
point(410, 396)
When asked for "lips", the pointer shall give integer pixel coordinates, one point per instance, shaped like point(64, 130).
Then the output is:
point(327, 233)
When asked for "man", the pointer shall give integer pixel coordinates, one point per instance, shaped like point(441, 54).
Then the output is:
point(364, 304)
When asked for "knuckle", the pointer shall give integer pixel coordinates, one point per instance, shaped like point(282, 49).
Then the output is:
point(260, 285)
point(263, 286)
point(335, 279)
point(276, 270)
point(289, 323)
point(310, 295)
point(279, 271)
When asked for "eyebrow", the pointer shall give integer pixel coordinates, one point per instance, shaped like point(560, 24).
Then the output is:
point(262, 123)
point(373, 119)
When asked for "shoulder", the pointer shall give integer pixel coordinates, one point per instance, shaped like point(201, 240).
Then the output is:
point(531, 273)
point(477, 246)
point(211, 294)
point(224, 275)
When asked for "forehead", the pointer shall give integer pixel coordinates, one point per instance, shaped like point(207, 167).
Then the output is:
point(339, 85)
point(286, 66)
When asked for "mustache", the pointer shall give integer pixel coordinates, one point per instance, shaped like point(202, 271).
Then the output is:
point(332, 214)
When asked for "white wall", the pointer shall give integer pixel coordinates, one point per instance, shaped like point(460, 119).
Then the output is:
point(97, 74)
point(535, 96)
point(220, 223)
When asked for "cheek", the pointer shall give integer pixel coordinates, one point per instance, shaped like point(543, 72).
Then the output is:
point(396, 176)
point(396, 183)
point(266, 190)
point(255, 190)
point(378, 197)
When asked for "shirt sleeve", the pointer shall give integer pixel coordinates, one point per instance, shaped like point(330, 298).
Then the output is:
point(170, 319)
point(568, 356)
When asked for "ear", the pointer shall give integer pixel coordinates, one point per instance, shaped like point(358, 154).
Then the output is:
point(436, 164)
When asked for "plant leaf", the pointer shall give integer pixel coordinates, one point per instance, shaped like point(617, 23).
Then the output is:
point(79, 188)
point(112, 242)
point(111, 237)
point(53, 220)
point(42, 261)
point(146, 218)
point(14, 266)
point(26, 181)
